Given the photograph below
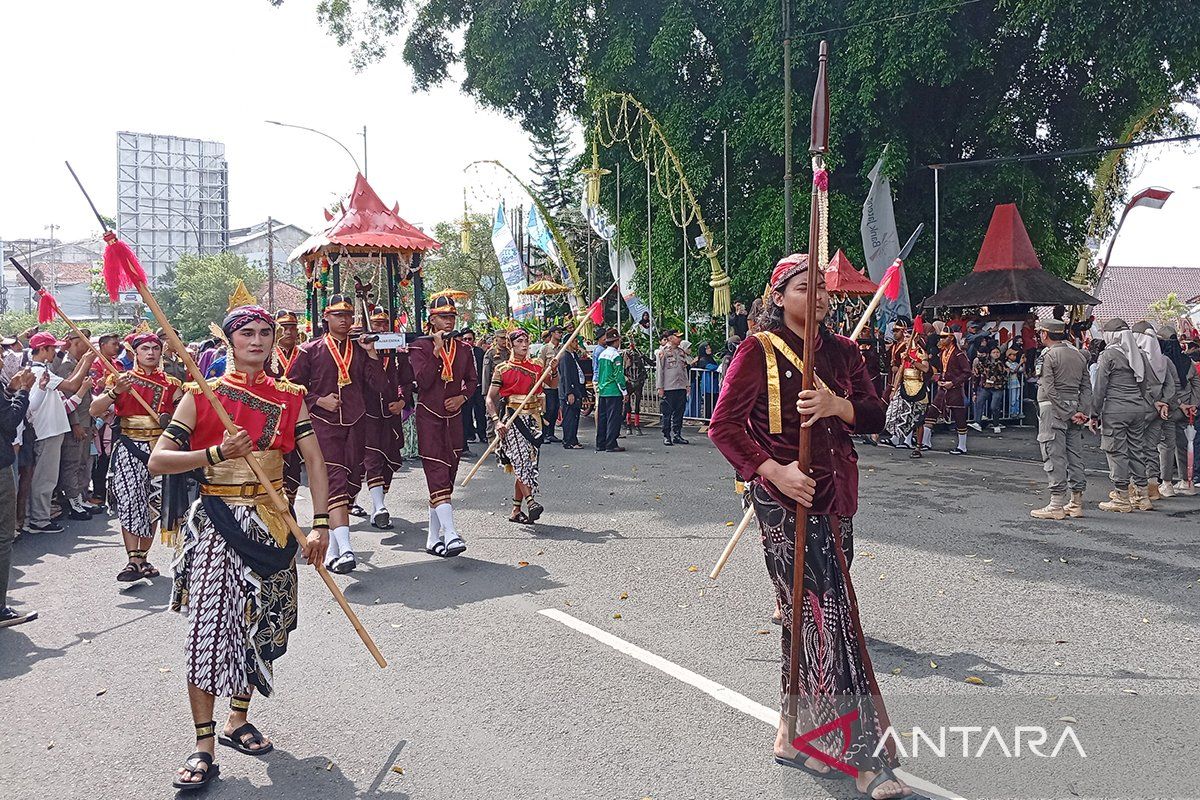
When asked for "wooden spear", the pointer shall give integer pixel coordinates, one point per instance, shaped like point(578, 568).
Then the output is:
point(818, 145)
point(537, 386)
point(37, 287)
point(134, 274)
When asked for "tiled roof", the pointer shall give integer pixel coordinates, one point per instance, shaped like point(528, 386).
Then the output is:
point(1127, 292)
point(286, 296)
point(64, 273)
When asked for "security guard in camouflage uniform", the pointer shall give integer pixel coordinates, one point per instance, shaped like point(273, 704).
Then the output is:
point(1064, 405)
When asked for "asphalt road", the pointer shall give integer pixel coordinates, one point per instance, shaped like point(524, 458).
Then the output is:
point(1092, 620)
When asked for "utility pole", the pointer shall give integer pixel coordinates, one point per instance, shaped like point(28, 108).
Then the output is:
point(52, 278)
point(787, 128)
point(271, 265)
point(364, 135)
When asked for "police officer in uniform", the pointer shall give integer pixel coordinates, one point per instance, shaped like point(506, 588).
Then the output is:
point(1064, 405)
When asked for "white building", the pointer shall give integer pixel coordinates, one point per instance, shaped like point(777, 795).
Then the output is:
point(254, 243)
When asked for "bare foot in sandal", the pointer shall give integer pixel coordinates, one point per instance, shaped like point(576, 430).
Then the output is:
point(238, 730)
point(869, 785)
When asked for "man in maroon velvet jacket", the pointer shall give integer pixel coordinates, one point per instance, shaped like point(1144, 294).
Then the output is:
point(756, 426)
point(952, 370)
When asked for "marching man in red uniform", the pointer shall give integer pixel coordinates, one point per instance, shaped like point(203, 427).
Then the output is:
point(445, 376)
point(339, 375)
point(385, 431)
point(133, 493)
point(521, 438)
point(235, 571)
point(756, 427)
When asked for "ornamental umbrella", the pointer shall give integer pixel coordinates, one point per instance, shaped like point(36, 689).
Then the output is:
point(453, 294)
point(544, 289)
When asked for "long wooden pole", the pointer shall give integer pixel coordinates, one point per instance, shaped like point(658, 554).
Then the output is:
point(537, 386)
point(275, 497)
point(818, 146)
point(737, 535)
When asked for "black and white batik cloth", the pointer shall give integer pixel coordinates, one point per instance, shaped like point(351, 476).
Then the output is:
point(238, 621)
point(132, 491)
point(904, 416)
point(518, 454)
point(835, 673)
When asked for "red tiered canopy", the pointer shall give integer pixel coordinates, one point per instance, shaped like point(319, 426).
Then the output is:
point(842, 278)
point(367, 226)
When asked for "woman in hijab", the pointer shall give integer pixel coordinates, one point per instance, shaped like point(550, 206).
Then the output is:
point(1162, 385)
point(1172, 450)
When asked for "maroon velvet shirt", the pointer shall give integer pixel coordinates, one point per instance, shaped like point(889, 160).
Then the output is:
point(315, 370)
point(740, 426)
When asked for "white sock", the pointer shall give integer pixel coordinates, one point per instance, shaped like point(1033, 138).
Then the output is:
point(341, 535)
point(962, 442)
point(445, 516)
point(334, 550)
point(926, 438)
point(377, 498)
point(908, 440)
point(435, 530)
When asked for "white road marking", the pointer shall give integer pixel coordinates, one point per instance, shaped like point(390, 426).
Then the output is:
point(715, 690)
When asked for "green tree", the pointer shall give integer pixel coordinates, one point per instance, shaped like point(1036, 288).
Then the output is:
point(203, 285)
point(984, 79)
point(1170, 309)
point(553, 179)
point(476, 272)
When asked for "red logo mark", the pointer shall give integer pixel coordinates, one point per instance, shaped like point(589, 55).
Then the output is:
point(842, 723)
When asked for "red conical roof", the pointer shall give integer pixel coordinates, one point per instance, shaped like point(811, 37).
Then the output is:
point(842, 278)
point(1006, 244)
point(367, 222)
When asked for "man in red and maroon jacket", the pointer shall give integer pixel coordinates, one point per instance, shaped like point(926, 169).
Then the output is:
point(951, 372)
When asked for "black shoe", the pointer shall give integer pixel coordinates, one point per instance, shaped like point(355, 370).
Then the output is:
point(49, 527)
point(343, 564)
point(78, 515)
point(466, 453)
point(357, 511)
point(9, 618)
point(382, 521)
point(552, 439)
point(616, 449)
point(681, 440)
point(667, 442)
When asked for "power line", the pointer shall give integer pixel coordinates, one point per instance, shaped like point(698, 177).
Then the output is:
point(893, 18)
point(1084, 151)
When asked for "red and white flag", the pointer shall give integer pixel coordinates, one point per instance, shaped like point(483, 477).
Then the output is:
point(1149, 198)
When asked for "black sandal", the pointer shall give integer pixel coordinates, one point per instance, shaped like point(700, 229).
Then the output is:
point(885, 775)
point(132, 571)
point(535, 510)
point(797, 762)
point(520, 518)
point(149, 570)
point(453, 549)
point(199, 762)
point(438, 549)
point(238, 741)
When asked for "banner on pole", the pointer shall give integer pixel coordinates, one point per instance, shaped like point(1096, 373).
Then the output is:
point(542, 239)
point(510, 265)
point(622, 265)
point(881, 244)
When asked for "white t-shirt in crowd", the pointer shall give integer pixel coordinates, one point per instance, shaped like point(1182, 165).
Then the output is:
point(46, 409)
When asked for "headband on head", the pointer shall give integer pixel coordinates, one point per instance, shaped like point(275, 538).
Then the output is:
point(517, 333)
point(136, 340)
point(242, 316)
point(787, 268)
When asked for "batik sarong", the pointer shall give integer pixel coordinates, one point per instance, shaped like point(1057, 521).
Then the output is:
point(132, 491)
point(836, 678)
point(903, 416)
point(238, 620)
point(518, 450)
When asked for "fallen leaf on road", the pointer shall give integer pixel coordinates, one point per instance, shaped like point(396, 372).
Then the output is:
point(616, 616)
point(398, 770)
point(1058, 663)
point(942, 592)
point(623, 596)
point(1060, 641)
point(1046, 560)
point(164, 669)
point(1052, 697)
point(50, 746)
point(1145, 620)
point(328, 766)
point(101, 692)
point(1132, 557)
point(974, 680)
point(728, 524)
point(1063, 560)
point(972, 555)
point(693, 568)
point(896, 671)
point(932, 664)
point(394, 625)
point(1129, 691)
point(540, 552)
point(762, 631)
point(882, 575)
point(462, 583)
point(1068, 719)
point(522, 564)
point(988, 560)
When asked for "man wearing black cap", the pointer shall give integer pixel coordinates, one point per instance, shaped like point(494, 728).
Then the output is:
point(1064, 405)
point(338, 374)
point(672, 377)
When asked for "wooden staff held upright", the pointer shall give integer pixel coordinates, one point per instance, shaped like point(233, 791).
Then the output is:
point(121, 268)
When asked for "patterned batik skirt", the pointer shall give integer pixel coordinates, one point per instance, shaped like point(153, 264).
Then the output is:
point(132, 492)
point(238, 621)
point(836, 678)
point(904, 416)
point(519, 455)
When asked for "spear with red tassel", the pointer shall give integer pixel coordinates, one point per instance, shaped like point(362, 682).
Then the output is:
point(48, 307)
point(122, 271)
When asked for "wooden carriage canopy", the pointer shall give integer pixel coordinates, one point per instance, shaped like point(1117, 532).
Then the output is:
point(365, 231)
point(1008, 274)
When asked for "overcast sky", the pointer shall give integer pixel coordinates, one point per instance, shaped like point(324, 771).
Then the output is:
point(78, 71)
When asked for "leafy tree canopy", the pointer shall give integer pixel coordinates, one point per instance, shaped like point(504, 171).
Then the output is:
point(981, 79)
point(476, 272)
point(202, 286)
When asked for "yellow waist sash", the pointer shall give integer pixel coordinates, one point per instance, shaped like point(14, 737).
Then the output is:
point(234, 482)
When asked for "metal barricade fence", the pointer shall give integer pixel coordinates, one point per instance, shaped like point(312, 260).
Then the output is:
point(703, 389)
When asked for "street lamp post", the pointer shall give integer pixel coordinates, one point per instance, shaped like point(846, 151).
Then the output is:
point(330, 138)
point(1153, 197)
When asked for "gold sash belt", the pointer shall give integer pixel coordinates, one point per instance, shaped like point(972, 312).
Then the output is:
point(234, 482)
point(141, 428)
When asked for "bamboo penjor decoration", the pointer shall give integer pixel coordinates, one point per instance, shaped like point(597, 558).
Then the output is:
point(121, 270)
